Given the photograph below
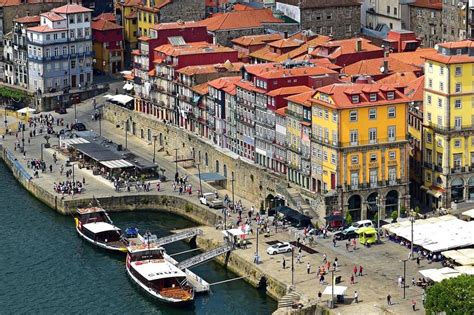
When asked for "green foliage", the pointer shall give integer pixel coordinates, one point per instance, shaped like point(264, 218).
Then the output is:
point(11, 93)
point(394, 216)
point(348, 218)
point(452, 296)
point(403, 210)
point(417, 209)
point(188, 208)
point(376, 217)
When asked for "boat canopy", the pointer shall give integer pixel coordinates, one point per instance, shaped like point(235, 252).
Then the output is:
point(99, 227)
point(157, 270)
point(89, 210)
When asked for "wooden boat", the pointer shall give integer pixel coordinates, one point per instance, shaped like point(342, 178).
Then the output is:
point(147, 266)
point(94, 225)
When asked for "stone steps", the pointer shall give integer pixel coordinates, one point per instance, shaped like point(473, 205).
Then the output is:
point(289, 299)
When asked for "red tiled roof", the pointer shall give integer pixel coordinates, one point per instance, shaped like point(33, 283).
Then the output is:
point(152, 72)
point(373, 66)
point(251, 40)
point(70, 9)
point(459, 44)
point(429, 4)
point(246, 85)
point(454, 59)
point(105, 25)
point(302, 98)
point(227, 84)
point(28, 19)
point(289, 90)
point(341, 94)
point(239, 20)
point(202, 88)
point(192, 48)
point(176, 25)
point(241, 7)
point(281, 111)
point(11, 3)
point(402, 78)
point(131, 3)
point(414, 90)
point(132, 15)
point(105, 16)
point(416, 58)
point(344, 46)
point(278, 71)
point(53, 16)
point(45, 29)
point(205, 69)
point(285, 43)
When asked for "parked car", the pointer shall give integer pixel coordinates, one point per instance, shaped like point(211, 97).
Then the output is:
point(79, 127)
point(279, 248)
point(60, 110)
point(210, 200)
point(345, 235)
point(359, 224)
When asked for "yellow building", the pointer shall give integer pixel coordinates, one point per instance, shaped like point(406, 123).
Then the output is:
point(148, 15)
point(360, 148)
point(448, 122)
point(127, 11)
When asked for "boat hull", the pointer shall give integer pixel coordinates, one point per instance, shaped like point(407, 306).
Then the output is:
point(120, 249)
point(154, 294)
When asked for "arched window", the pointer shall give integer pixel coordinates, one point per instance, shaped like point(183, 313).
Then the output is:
point(225, 170)
point(217, 166)
point(206, 159)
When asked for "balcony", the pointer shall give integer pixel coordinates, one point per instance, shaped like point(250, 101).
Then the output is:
point(461, 169)
point(374, 184)
point(455, 129)
point(354, 186)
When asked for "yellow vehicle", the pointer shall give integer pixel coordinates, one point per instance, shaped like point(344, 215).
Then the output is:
point(367, 235)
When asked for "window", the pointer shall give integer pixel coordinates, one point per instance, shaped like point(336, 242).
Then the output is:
point(86, 18)
point(457, 143)
point(429, 99)
point(333, 158)
point(334, 116)
point(430, 67)
point(441, 86)
point(73, 64)
point(391, 133)
point(73, 49)
point(428, 176)
point(79, 18)
point(353, 115)
point(48, 37)
point(428, 138)
point(458, 88)
point(373, 135)
point(71, 33)
point(354, 137)
point(354, 180)
point(318, 17)
point(428, 116)
point(373, 97)
point(372, 113)
point(71, 19)
point(392, 155)
point(388, 9)
point(329, 16)
point(440, 102)
point(457, 122)
point(440, 120)
point(354, 159)
point(395, 11)
point(457, 103)
point(458, 71)
point(439, 143)
point(430, 82)
point(373, 157)
point(390, 95)
point(391, 112)
point(355, 99)
point(56, 51)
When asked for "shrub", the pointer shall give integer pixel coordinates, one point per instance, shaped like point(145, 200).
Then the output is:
point(348, 218)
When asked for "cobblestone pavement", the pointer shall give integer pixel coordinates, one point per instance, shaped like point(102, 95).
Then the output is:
point(382, 263)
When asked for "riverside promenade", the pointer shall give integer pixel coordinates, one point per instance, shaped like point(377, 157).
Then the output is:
point(381, 263)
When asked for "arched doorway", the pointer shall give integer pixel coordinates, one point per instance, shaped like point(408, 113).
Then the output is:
point(391, 202)
point(355, 207)
point(471, 188)
point(457, 190)
point(372, 205)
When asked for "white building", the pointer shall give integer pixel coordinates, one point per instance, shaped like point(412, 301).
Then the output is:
point(60, 50)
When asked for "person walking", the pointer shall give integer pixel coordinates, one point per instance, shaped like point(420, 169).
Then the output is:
point(413, 305)
point(400, 281)
point(308, 268)
point(356, 297)
point(298, 258)
point(389, 299)
point(418, 261)
point(355, 270)
point(360, 270)
point(334, 242)
point(352, 279)
point(319, 296)
point(325, 258)
point(284, 263)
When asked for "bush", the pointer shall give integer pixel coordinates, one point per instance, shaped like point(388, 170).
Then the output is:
point(348, 218)
point(188, 208)
point(394, 216)
point(451, 296)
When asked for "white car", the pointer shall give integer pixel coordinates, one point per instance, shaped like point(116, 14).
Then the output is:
point(359, 224)
point(279, 248)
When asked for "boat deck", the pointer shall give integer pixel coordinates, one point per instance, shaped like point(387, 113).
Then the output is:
point(176, 293)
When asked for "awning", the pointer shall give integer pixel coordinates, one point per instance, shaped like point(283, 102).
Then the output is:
point(25, 110)
point(468, 270)
point(434, 193)
point(128, 87)
point(121, 99)
point(438, 275)
point(65, 143)
point(96, 151)
point(338, 290)
point(211, 177)
point(116, 164)
point(469, 213)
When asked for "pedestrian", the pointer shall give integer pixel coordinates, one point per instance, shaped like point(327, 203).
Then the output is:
point(413, 281)
point(334, 265)
point(298, 259)
point(308, 268)
point(360, 270)
point(356, 297)
point(319, 296)
point(51, 168)
point(400, 281)
point(413, 305)
point(83, 181)
point(354, 243)
point(284, 263)
point(325, 258)
point(355, 270)
point(321, 279)
point(334, 242)
point(418, 261)
point(347, 246)
point(389, 299)
point(352, 279)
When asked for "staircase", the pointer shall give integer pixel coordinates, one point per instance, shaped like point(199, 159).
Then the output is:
point(289, 299)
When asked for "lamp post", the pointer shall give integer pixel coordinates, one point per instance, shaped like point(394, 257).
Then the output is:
point(73, 180)
point(412, 220)
point(257, 258)
point(332, 287)
point(404, 276)
point(125, 123)
point(378, 202)
point(199, 174)
point(176, 160)
point(23, 136)
point(100, 118)
point(6, 121)
point(154, 148)
point(292, 266)
point(233, 195)
point(42, 145)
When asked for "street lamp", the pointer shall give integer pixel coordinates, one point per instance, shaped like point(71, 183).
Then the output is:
point(332, 287)
point(176, 160)
point(292, 266)
point(200, 183)
point(412, 220)
point(154, 148)
point(404, 276)
point(233, 195)
point(257, 258)
point(6, 121)
point(42, 145)
point(73, 173)
point(378, 203)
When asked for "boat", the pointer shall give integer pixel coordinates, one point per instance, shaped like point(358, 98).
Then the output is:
point(148, 267)
point(94, 225)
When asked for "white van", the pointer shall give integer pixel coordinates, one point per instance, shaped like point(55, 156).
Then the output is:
point(359, 224)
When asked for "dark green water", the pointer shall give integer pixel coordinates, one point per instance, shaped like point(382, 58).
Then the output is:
point(46, 268)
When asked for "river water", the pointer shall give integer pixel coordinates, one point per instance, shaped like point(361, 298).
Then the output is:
point(46, 268)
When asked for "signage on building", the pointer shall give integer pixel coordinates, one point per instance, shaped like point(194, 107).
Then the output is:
point(291, 11)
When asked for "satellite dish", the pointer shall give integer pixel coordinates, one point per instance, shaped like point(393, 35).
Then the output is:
point(382, 69)
point(436, 46)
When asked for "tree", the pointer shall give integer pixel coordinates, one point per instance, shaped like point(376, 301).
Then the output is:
point(394, 216)
point(452, 296)
point(348, 218)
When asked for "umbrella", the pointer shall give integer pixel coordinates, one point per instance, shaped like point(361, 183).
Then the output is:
point(26, 110)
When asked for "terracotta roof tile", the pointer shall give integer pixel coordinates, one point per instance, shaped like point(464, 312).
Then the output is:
point(302, 98)
point(45, 29)
point(105, 25)
point(106, 16)
point(53, 16)
point(227, 84)
point(202, 88)
point(414, 90)
point(241, 7)
point(372, 66)
point(286, 42)
point(240, 20)
point(28, 19)
point(176, 25)
point(206, 69)
point(289, 90)
point(192, 48)
point(281, 111)
point(275, 71)
point(429, 4)
point(459, 44)
point(246, 85)
point(398, 77)
point(416, 58)
point(251, 40)
point(70, 9)
point(343, 47)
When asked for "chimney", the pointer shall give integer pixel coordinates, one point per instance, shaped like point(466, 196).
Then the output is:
point(385, 53)
point(285, 34)
point(358, 44)
point(385, 66)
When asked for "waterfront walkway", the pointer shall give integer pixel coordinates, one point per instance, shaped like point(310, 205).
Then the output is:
point(382, 265)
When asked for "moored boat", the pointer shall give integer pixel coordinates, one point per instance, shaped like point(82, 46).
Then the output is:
point(94, 225)
point(146, 265)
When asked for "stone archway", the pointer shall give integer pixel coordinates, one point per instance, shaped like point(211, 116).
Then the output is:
point(355, 207)
point(457, 189)
point(471, 188)
point(372, 205)
point(391, 202)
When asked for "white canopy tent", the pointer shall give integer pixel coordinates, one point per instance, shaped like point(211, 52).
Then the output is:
point(26, 110)
point(464, 257)
point(438, 275)
point(121, 99)
point(338, 290)
point(469, 213)
point(65, 143)
point(468, 270)
point(234, 233)
point(113, 164)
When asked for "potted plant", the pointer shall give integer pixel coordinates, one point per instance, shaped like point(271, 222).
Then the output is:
point(394, 216)
point(348, 218)
point(47, 144)
point(403, 212)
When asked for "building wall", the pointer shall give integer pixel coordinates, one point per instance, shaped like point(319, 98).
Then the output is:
point(317, 20)
point(452, 21)
point(426, 23)
point(386, 12)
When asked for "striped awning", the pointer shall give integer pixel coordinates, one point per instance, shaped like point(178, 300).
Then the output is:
point(116, 164)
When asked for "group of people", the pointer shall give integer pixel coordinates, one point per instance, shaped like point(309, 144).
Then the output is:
point(68, 187)
point(181, 185)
